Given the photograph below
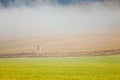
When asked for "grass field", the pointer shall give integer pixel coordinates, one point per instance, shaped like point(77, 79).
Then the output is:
point(53, 68)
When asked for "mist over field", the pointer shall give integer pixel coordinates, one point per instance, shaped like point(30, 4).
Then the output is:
point(59, 26)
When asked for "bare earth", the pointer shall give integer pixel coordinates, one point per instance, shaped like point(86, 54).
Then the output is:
point(69, 54)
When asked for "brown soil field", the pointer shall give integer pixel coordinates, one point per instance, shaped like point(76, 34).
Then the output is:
point(58, 54)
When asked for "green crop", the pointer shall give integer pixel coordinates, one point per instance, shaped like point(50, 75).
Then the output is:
point(60, 68)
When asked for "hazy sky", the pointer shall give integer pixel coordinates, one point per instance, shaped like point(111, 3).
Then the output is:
point(54, 21)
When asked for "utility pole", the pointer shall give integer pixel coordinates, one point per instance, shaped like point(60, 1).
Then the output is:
point(39, 49)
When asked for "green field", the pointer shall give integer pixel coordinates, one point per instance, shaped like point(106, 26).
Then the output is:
point(62, 68)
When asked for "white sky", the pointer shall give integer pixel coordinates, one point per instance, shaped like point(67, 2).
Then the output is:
point(53, 20)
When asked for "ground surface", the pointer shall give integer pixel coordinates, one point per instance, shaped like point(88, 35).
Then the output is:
point(62, 54)
point(62, 68)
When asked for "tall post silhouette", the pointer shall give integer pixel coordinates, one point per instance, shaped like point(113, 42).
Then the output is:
point(39, 49)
